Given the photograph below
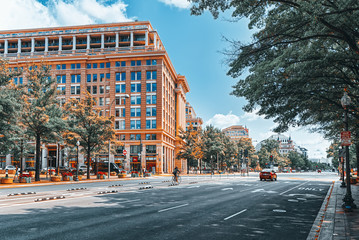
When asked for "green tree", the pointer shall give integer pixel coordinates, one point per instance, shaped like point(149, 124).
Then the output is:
point(86, 126)
point(41, 114)
point(296, 160)
point(190, 147)
point(212, 145)
point(303, 55)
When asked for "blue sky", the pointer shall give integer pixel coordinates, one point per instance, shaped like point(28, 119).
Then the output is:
point(194, 44)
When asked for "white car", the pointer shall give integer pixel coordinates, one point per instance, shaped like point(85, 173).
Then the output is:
point(10, 167)
point(83, 168)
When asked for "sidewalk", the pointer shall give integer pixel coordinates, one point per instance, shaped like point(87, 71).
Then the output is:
point(332, 221)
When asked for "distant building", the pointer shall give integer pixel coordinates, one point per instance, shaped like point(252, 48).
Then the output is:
point(286, 144)
point(236, 132)
point(191, 118)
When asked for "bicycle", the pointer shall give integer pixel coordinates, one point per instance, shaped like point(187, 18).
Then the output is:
point(179, 180)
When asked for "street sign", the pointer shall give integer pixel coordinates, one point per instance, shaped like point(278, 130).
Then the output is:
point(124, 152)
point(345, 136)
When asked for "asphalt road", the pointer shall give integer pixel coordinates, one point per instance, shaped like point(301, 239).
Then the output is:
point(225, 207)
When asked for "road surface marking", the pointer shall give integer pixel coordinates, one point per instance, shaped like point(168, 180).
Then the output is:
point(279, 210)
point(293, 188)
point(225, 189)
point(194, 187)
point(235, 214)
point(166, 209)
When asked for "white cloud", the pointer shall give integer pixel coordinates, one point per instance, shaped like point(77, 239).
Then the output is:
point(252, 116)
point(222, 121)
point(177, 3)
point(20, 14)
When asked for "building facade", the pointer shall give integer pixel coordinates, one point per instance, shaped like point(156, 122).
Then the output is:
point(236, 132)
point(192, 119)
point(126, 68)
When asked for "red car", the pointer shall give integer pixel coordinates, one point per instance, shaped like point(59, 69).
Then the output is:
point(268, 174)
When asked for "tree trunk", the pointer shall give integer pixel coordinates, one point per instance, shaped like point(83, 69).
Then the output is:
point(88, 162)
point(37, 160)
point(357, 155)
point(21, 155)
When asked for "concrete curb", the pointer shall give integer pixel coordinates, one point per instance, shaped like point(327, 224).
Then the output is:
point(323, 226)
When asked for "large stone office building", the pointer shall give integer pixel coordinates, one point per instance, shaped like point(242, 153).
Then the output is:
point(127, 70)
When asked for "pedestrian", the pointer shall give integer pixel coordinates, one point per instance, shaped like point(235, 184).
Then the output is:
point(144, 172)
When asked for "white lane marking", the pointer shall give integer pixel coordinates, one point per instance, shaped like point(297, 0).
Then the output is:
point(293, 188)
point(235, 214)
point(279, 210)
point(166, 209)
point(225, 189)
point(193, 187)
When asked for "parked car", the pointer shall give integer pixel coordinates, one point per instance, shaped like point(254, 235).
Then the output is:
point(28, 169)
point(64, 169)
point(10, 167)
point(268, 174)
point(103, 167)
point(83, 168)
point(319, 171)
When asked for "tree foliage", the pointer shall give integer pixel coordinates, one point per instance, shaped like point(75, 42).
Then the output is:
point(41, 115)
point(86, 126)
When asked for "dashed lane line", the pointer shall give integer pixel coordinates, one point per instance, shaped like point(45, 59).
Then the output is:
point(166, 209)
point(235, 214)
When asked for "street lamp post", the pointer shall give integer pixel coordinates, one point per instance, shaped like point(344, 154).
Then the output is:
point(348, 200)
point(341, 158)
point(77, 161)
point(109, 141)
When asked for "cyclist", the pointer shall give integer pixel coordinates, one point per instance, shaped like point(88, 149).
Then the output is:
point(176, 172)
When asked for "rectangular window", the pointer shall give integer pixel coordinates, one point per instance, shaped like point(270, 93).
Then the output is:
point(73, 66)
point(61, 78)
point(102, 65)
point(135, 75)
point(132, 136)
point(138, 137)
point(148, 136)
point(102, 89)
point(94, 90)
point(120, 112)
point(58, 67)
point(78, 65)
point(120, 101)
point(108, 75)
point(63, 66)
point(120, 88)
point(120, 125)
point(108, 65)
point(123, 63)
point(88, 66)
point(89, 89)
point(151, 62)
point(120, 76)
point(150, 148)
point(61, 90)
point(151, 87)
point(151, 124)
point(151, 111)
point(153, 136)
point(133, 63)
point(135, 112)
point(100, 103)
point(136, 87)
point(94, 65)
point(75, 90)
point(135, 100)
point(94, 77)
point(135, 124)
point(76, 78)
point(102, 76)
point(138, 62)
point(88, 77)
point(151, 75)
point(151, 99)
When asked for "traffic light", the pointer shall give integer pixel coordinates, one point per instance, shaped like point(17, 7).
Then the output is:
point(271, 158)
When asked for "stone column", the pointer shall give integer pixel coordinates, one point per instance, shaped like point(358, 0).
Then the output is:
point(155, 40)
point(102, 41)
point(117, 40)
point(88, 42)
point(6, 47)
point(46, 44)
point(131, 39)
point(32, 45)
point(60, 43)
point(74, 43)
point(19, 45)
point(146, 38)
